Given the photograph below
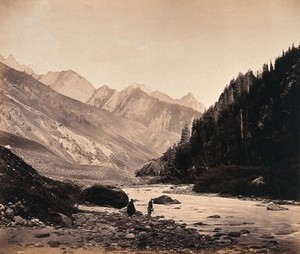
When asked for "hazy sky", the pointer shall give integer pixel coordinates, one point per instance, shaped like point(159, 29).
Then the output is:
point(176, 46)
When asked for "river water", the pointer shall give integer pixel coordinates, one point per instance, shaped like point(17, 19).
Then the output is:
point(235, 215)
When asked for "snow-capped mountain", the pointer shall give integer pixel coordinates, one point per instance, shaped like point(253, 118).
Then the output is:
point(13, 63)
point(68, 83)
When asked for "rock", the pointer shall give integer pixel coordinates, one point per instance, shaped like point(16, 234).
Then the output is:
point(245, 231)
point(199, 223)
point(165, 200)
point(130, 236)
point(234, 234)
point(76, 246)
point(38, 245)
point(35, 222)
point(54, 244)
point(65, 220)
point(19, 220)
point(8, 147)
point(20, 252)
point(104, 195)
point(143, 235)
point(9, 213)
point(217, 229)
point(214, 216)
point(217, 235)
point(258, 181)
point(42, 235)
point(275, 207)
point(2, 207)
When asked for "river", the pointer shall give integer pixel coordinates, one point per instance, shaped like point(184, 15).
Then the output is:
point(235, 215)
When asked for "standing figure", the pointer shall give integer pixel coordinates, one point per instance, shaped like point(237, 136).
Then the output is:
point(130, 208)
point(150, 207)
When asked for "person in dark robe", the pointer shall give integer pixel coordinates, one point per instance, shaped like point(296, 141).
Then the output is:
point(150, 207)
point(131, 209)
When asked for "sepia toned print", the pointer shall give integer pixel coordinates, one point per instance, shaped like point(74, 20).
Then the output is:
point(162, 126)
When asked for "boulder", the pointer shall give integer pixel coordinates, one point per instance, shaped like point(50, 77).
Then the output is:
point(104, 195)
point(64, 220)
point(19, 220)
point(258, 181)
point(214, 216)
point(165, 200)
point(234, 234)
point(275, 207)
point(9, 213)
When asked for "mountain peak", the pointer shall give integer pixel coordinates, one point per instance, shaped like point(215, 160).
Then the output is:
point(145, 88)
point(190, 101)
point(13, 63)
point(11, 57)
point(68, 83)
point(189, 95)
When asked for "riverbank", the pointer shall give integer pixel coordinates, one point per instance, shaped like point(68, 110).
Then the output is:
point(199, 224)
point(113, 232)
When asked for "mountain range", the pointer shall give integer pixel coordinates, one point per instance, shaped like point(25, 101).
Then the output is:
point(64, 127)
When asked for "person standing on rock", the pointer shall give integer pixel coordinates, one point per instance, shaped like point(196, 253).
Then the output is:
point(130, 208)
point(150, 207)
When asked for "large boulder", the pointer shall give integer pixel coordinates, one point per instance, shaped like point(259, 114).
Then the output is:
point(165, 200)
point(275, 207)
point(104, 195)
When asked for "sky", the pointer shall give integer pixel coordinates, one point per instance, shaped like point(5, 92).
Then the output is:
point(175, 46)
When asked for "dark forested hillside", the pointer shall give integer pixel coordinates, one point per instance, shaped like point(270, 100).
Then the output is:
point(251, 131)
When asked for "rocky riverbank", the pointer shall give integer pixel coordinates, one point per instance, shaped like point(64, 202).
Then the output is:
point(115, 232)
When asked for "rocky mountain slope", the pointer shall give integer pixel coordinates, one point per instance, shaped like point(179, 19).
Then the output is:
point(135, 104)
point(58, 135)
point(29, 194)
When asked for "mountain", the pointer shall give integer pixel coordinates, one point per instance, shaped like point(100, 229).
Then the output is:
point(187, 100)
point(133, 103)
point(13, 63)
point(190, 101)
point(63, 137)
point(68, 83)
point(248, 142)
point(71, 84)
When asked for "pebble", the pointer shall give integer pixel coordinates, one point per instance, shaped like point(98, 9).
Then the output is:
point(38, 245)
point(130, 236)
